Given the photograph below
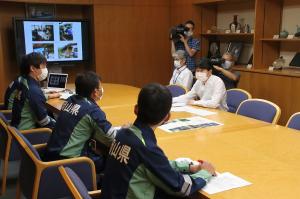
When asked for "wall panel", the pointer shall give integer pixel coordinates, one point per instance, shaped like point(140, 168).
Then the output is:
point(131, 42)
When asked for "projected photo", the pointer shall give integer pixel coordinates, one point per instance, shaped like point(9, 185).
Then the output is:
point(65, 31)
point(46, 49)
point(57, 40)
point(42, 33)
point(68, 51)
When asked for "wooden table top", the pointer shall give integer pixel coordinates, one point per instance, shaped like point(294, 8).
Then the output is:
point(115, 95)
point(265, 156)
point(261, 153)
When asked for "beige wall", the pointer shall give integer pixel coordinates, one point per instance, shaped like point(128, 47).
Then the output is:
point(226, 12)
point(290, 18)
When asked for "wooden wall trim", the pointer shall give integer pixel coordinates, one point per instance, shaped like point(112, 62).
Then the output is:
point(285, 72)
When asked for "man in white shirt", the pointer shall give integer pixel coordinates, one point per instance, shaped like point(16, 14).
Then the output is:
point(182, 76)
point(209, 88)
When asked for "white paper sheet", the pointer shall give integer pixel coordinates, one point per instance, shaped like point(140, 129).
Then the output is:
point(178, 104)
point(65, 95)
point(190, 109)
point(224, 181)
point(182, 124)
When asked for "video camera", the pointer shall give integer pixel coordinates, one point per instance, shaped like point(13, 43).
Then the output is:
point(177, 31)
point(218, 61)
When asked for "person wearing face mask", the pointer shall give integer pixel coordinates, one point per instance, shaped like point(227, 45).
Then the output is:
point(189, 44)
point(29, 104)
point(81, 123)
point(11, 90)
point(182, 76)
point(229, 77)
point(209, 88)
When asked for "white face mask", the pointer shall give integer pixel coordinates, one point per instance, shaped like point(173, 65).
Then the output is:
point(102, 90)
point(98, 98)
point(227, 64)
point(201, 76)
point(189, 33)
point(43, 75)
point(177, 63)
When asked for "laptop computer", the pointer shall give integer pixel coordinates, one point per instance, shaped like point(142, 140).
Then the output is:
point(56, 82)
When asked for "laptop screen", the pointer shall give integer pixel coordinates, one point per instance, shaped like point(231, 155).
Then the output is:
point(56, 80)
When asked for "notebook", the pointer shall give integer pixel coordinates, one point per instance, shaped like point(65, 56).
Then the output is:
point(56, 82)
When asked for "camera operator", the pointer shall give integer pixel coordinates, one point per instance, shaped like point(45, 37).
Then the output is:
point(224, 71)
point(187, 43)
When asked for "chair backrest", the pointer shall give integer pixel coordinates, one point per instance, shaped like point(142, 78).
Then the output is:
point(42, 180)
point(235, 97)
point(2, 117)
point(74, 183)
point(294, 121)
point(5, 143)
point(2, 106)
point(7, 114)
point(260, 109)
point(29, 158)
point(176, 90)
point(4, 136)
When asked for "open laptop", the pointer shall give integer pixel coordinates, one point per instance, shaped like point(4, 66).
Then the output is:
point(56, 82)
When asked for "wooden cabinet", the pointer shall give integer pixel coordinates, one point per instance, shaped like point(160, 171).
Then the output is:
point(269, 18)
point(219, 14)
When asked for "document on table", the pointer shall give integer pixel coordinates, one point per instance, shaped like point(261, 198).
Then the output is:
point(224, 181)
point(182, 124)
point(178, 104)
point(189, 109)
point(65, 95)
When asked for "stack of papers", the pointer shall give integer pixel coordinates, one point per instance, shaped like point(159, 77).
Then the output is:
point(182, 124)
point(190, 109)
point(224, 181)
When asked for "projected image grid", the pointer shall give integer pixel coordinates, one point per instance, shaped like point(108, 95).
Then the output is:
point(57, 41)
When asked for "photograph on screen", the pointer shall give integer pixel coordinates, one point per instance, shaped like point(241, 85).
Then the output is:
point(67, 51)
point(42, 33)
point(47, 49)
point(56, 40)
point(65, 31)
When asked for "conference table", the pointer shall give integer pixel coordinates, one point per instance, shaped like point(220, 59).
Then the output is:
point(264, 154)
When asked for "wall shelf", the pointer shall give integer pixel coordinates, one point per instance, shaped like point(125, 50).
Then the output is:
point(280, 40)
point(214, 2)
point(229, 34)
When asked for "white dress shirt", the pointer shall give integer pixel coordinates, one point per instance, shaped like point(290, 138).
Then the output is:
point(183, 77)
point(212, 94)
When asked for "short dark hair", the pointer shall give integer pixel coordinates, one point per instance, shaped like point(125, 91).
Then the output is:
point(190, 22)
point(205, 63)
point(32, 59)
point(86, 83)
point(154, 103)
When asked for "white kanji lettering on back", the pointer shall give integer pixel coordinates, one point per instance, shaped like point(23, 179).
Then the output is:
point(124, 154)
point(114, 149)
point(74, 110)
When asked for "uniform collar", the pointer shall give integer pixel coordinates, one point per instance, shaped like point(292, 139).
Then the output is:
point(31, 79)
point(147, 132)
point(181, 68)
point(79, 97)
